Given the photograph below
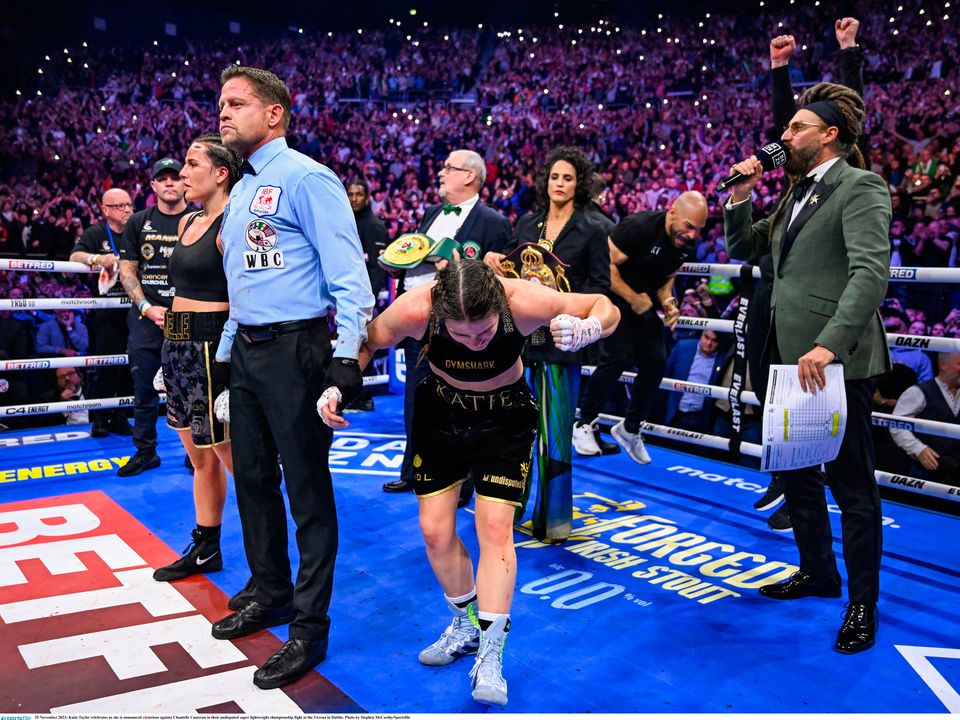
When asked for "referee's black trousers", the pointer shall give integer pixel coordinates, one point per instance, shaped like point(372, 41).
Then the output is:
point(274, 388)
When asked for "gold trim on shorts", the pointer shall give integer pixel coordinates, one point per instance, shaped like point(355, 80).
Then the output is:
point(457, 484)
point(499, 500)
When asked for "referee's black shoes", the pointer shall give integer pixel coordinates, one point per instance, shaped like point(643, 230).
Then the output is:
point(802, 584)
point(859, 629)
point(292, 661)
point(397, 486)
point(138, 463)
point(250, 618)
point(244, 596)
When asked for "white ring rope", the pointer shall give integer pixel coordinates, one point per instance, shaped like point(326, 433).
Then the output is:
point(914, 425)
point(106, 403)
point(718, 392)
point(922, 342)
point(92, 303)
point(732, 270)
point(934, 344)
point(897, 274)
point(903, 482)
point(69, 406)
point(47, 266)
point(63, 362)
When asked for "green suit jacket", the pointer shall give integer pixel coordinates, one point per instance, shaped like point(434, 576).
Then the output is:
point(831, 269)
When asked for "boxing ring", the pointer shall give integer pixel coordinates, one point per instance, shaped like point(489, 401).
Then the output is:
point(650, 606)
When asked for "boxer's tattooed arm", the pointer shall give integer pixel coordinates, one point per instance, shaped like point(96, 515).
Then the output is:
point(130, 281)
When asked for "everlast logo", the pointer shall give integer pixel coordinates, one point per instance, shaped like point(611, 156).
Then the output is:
point(693, 322)
point(917, 342)
point(907, 482)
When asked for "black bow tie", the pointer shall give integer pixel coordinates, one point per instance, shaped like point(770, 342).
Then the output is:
point(247, 168)
point(801, 188)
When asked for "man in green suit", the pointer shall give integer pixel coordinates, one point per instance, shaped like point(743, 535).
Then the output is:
point(831, 264)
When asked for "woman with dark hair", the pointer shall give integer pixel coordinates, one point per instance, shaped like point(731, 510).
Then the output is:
point(474, 414)
point(561, 248)
point(191, 375)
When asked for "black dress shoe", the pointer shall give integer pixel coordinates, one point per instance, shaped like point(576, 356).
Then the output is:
point(802, 584)
point(859, 629)
point(138, 463)
point(292, 661)
point(251, 617)
point(244, 596)
point(99, 429)
point(397, 486)
point(118, 425)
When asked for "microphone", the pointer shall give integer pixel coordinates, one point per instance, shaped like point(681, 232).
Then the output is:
point(771, 156)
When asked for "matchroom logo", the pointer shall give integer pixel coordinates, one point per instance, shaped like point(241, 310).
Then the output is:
point(85, 629)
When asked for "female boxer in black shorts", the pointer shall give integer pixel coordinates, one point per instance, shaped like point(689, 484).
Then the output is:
point(191, 375)
point(474, 412)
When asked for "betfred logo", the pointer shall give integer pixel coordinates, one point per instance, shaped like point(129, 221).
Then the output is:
point(85, 629)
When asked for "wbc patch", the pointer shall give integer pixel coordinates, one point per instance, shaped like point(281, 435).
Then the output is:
point(261, 238)
point(266, 201)
point(471, 250)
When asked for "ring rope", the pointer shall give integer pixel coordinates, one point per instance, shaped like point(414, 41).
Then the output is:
point(47, 266)
point(107, 403)
point(902, 482)
point(897, 273)
point(92, 303)
point(718, 392)
point(63, 362)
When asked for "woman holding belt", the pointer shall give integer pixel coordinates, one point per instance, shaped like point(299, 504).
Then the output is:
point(558, 232)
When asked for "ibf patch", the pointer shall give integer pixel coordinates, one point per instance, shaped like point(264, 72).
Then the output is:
point(471, 250)
point(261, 238)
point(266, 201)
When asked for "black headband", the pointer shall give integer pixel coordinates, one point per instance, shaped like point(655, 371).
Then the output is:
point(830, 113)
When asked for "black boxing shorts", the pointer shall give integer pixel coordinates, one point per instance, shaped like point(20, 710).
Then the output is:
point(458, 431)
point(187, 357)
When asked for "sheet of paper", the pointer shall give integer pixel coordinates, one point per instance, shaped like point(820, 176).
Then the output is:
point(802, 429)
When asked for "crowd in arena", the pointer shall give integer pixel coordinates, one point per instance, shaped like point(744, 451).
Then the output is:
point(659, 109)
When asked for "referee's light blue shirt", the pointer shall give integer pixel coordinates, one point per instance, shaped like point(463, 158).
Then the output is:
point(291, 249)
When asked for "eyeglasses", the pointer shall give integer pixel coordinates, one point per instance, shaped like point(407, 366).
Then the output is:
point(120, 206)
point(795, 128)
point(447, 167)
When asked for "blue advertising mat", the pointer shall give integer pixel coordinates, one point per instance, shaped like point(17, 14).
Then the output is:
point(651, 606)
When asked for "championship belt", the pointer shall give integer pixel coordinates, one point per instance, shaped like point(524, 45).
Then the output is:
point(537, 264)
point(408, 251)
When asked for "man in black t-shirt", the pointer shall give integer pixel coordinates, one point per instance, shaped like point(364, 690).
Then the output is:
point(97, 247)
point(646, 249)
point(148, 242)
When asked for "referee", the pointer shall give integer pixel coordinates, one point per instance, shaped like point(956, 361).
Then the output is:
point(291, 253)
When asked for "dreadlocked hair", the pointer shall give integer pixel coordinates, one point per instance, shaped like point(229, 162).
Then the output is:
point(464, 290)
point(854, 111)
